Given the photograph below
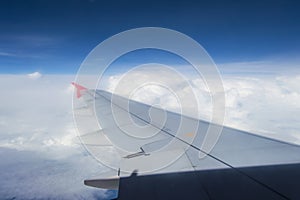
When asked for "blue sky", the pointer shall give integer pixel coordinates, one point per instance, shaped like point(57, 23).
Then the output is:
point(55, 36)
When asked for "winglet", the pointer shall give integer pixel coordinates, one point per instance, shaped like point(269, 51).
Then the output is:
point(106, 183)
point(79, 88)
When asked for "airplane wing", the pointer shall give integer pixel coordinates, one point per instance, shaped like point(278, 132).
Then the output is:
point(157, 154)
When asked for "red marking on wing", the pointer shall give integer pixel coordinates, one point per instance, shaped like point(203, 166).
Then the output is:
point(79, 88)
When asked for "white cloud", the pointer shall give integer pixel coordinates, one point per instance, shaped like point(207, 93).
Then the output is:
point(264, 105)
point(34, 75)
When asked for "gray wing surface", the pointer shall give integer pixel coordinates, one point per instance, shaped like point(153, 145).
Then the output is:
point(146, 138)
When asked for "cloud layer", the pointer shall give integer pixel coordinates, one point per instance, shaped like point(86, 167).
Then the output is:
point(40, 154)
point(42, 157)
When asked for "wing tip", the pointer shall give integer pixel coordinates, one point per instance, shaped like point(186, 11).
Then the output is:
point(79, 88)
